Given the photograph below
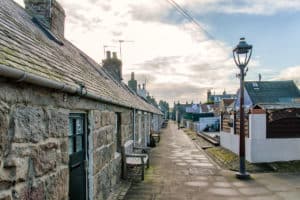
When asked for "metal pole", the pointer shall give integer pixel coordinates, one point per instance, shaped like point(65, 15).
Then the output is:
point(242, 132)
point(242, 173)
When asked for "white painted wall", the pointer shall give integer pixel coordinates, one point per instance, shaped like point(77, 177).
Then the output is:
point(231, 142)
point(258, 147)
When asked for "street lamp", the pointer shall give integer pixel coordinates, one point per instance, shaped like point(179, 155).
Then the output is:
point(241, 55)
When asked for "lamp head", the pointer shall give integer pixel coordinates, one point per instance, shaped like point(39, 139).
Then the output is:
point(240, 52)
point(242, 47)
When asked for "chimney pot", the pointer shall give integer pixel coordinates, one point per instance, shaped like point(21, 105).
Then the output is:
point(108, 55)
point(115, 55)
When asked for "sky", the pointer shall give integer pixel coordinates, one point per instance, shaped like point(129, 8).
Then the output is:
point(180, 61)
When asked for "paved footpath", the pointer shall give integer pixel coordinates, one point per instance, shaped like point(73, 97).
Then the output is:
point(182, 171)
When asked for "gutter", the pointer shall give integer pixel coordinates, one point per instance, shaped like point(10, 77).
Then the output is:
point(22, 76)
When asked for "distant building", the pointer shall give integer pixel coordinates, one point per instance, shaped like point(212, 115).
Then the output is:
point(226, 105)
point(216, 98)
point(141, 91)
point(271, 123)
point(267, 92)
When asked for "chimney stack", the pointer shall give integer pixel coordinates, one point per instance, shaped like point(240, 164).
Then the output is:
point(108, 55)
point(132, 84)
point(144, 86)
point(113, 66)
point(115, 55)
point(49, 13)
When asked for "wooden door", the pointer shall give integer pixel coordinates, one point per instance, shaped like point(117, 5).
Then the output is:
point(77, 149)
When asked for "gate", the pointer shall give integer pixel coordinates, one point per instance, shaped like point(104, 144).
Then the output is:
point(283, 123)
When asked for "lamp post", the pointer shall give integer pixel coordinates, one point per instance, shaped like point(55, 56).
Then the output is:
point(241, 55)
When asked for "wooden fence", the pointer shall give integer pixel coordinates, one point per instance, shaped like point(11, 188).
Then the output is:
point(227, 123)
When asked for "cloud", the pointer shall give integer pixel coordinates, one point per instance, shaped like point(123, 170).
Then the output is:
point(179, 61)
point(290, 73)
point(258, 7)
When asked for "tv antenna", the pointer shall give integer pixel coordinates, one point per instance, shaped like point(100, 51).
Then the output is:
point(120, 43)
point(106, 46)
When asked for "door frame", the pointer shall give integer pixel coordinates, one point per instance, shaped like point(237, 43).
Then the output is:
point(85, 148)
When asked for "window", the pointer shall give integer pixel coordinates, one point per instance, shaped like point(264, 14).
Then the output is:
point(76, 133)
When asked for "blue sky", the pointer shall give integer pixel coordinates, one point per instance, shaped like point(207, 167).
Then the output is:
point(178, 61)
point(275, 37)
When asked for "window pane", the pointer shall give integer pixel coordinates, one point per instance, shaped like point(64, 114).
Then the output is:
point(78, 143)
point(79, 126)
point(71, 130)
point(116, 123)
point(71, 147)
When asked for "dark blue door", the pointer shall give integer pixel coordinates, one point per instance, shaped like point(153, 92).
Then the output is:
point(77, 179)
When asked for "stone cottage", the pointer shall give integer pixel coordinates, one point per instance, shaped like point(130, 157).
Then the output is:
point(63, 117)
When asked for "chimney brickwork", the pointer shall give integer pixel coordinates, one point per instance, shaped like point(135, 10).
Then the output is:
point(49, 13)
point(132, 83)
point(113, 65)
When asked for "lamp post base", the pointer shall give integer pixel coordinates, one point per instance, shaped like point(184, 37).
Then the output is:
point(243, 176)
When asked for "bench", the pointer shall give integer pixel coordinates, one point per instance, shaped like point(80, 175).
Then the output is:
point(133, 156)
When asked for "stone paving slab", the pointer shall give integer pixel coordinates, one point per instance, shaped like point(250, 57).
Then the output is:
point(181, 170)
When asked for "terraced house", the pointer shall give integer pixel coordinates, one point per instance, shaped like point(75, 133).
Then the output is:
point(63, 117)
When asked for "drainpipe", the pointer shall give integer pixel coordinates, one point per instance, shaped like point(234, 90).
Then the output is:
point(145, 128)
point(134, 124)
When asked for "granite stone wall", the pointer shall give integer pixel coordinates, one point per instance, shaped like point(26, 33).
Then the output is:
point(34, 156)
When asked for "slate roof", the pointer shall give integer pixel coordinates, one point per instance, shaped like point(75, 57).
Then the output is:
point(272, 91)
point(24, 46)
point(228, 102)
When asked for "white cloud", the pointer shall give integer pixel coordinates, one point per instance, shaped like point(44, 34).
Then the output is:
point(179, 61)
point(290, 73)
point(259, 7)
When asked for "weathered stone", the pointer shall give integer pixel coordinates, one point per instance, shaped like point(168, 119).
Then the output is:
point(111, 152)
point(45, 158)
point(4, 125)
point(126, 117)
point(112, 118)
point(64, 154)
point(5, 196)
point(109, 135)
point(107, 118)
point(102, 184)
point(116, 171)
point(97, 119)
point(99, 138)
point(29, 124)
point(97, 160)
point(31, 191)
point(4, 185)
point(57, 185)
point(15, 169)
point(100, 158)
point(58, 122)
